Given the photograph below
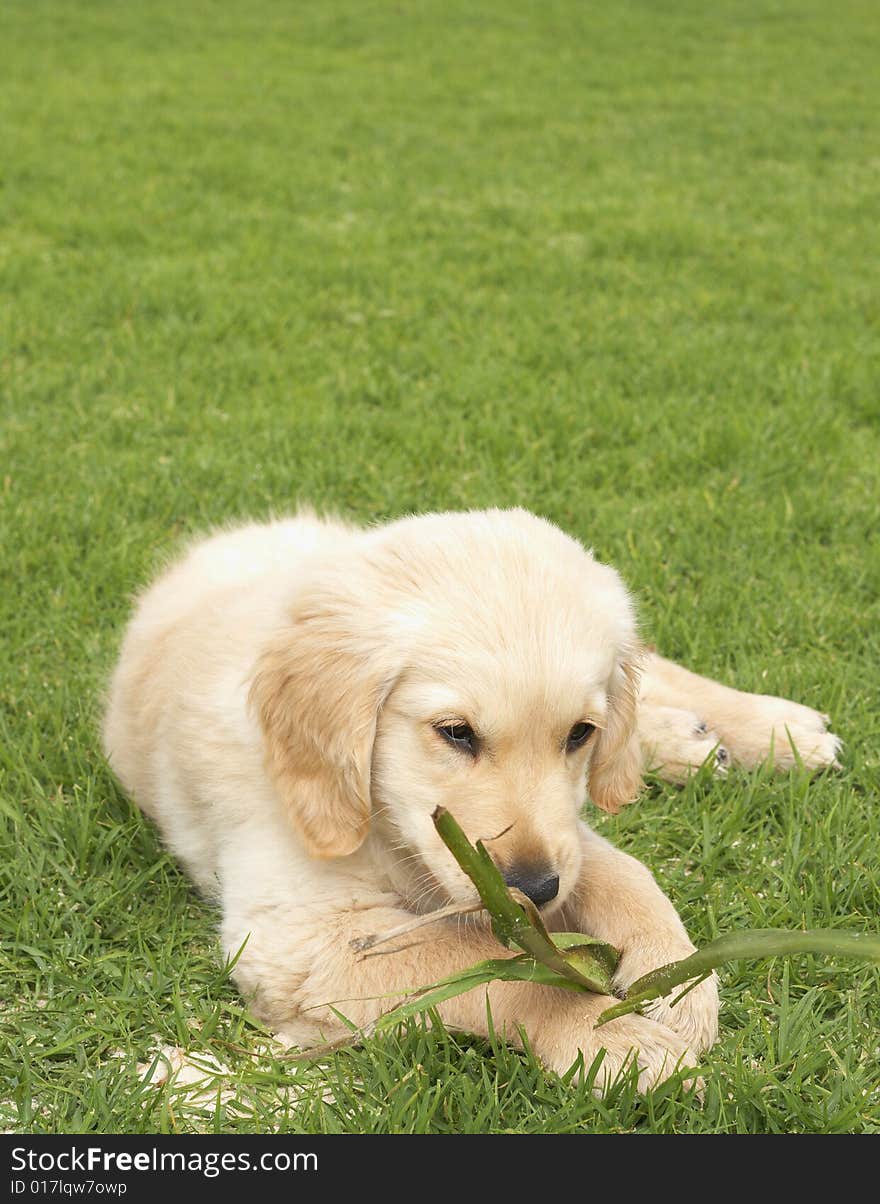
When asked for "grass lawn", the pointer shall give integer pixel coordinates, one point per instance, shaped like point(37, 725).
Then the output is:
point(615, 263)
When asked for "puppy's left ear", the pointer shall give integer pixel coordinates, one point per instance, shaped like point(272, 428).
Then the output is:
point(615, 776)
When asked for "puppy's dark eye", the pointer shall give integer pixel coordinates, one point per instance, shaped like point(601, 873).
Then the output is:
point(579, 735)
point(459, 735)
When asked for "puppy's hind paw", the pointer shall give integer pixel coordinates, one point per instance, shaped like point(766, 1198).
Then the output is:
point(786, 734)
point(819, 752)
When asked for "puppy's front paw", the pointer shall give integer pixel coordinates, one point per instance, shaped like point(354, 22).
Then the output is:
point(694, 1017)
point(568, 1028)
point(657, 1050)
point(772, 726)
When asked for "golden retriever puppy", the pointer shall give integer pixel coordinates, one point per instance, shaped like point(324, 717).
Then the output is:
point(293, 700)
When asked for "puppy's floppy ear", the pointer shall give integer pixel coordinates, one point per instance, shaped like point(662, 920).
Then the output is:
point(317, 691)
point(616, 764)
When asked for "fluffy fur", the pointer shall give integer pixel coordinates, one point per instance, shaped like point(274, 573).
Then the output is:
point(277, 710)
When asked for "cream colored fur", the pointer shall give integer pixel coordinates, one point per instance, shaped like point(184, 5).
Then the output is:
point(275, 710)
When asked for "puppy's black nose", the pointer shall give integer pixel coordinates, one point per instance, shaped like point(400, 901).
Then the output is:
point(539, 884)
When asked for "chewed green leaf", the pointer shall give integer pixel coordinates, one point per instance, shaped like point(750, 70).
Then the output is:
point(590, 951)
point(447, 988)
point(568, 940)
point(592, 971)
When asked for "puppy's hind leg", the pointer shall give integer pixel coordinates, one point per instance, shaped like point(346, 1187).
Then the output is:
point(753, 728)
point(676, 742)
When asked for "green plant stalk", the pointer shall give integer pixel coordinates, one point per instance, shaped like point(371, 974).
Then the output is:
point(753, 944)
point(515, 920)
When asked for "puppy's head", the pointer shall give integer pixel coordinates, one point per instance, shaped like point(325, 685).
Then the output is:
point(482, 661)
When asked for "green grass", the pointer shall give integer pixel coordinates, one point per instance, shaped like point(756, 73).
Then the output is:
point(616, 263)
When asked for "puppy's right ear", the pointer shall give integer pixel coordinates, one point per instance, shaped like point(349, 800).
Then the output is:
point(317, 692)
